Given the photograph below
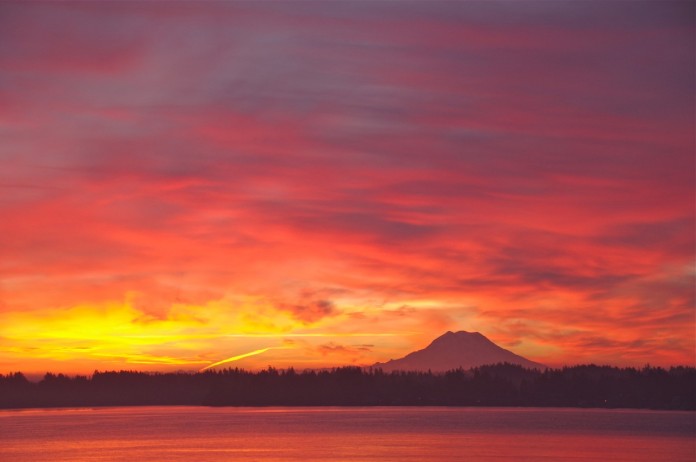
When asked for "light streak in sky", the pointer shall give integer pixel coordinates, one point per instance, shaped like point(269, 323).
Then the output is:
point(238, 357)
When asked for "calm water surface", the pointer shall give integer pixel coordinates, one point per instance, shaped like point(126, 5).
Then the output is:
point(346, 434)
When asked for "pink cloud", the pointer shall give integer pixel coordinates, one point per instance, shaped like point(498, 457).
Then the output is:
point(531, 175)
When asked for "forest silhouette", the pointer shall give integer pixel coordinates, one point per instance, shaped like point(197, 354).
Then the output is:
point(494, 385)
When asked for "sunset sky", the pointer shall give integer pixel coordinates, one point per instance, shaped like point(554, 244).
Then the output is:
point(314, 184)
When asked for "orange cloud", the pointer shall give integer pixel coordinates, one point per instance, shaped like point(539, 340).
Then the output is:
point(314, 178)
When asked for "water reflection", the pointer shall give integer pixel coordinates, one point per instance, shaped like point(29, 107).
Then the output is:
point(346, 434)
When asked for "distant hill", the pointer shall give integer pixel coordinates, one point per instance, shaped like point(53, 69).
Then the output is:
point(454, 350)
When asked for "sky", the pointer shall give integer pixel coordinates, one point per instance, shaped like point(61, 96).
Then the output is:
point(316, 184)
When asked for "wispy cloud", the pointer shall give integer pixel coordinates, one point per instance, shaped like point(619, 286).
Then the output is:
point(523, 170)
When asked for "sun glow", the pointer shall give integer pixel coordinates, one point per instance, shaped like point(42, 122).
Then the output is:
point(118, 334)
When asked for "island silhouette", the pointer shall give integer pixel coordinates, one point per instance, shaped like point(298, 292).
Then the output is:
point(456, 369)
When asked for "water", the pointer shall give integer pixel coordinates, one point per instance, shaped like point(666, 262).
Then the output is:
point(346, 434)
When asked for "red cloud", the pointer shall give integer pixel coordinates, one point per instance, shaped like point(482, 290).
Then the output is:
point(533, 177)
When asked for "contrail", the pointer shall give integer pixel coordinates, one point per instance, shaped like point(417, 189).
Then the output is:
point(235, 358)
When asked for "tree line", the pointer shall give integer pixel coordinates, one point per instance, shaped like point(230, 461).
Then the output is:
point(494, 385)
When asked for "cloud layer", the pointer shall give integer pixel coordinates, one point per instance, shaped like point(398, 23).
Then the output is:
point(343, 168)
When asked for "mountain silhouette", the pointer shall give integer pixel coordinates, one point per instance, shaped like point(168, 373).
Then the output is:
point(455, 350)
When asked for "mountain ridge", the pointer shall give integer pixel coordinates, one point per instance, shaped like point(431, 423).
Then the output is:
point(454, 350)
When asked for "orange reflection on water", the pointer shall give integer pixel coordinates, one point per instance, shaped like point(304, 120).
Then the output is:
point(345, 434)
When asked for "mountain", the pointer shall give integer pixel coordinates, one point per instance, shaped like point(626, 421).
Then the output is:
point(454, 350)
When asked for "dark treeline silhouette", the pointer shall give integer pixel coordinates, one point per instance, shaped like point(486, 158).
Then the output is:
point(495, 385)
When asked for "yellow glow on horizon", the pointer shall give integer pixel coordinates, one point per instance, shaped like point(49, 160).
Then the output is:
point(321, 334)
point(116, 334)
point(149, 359)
